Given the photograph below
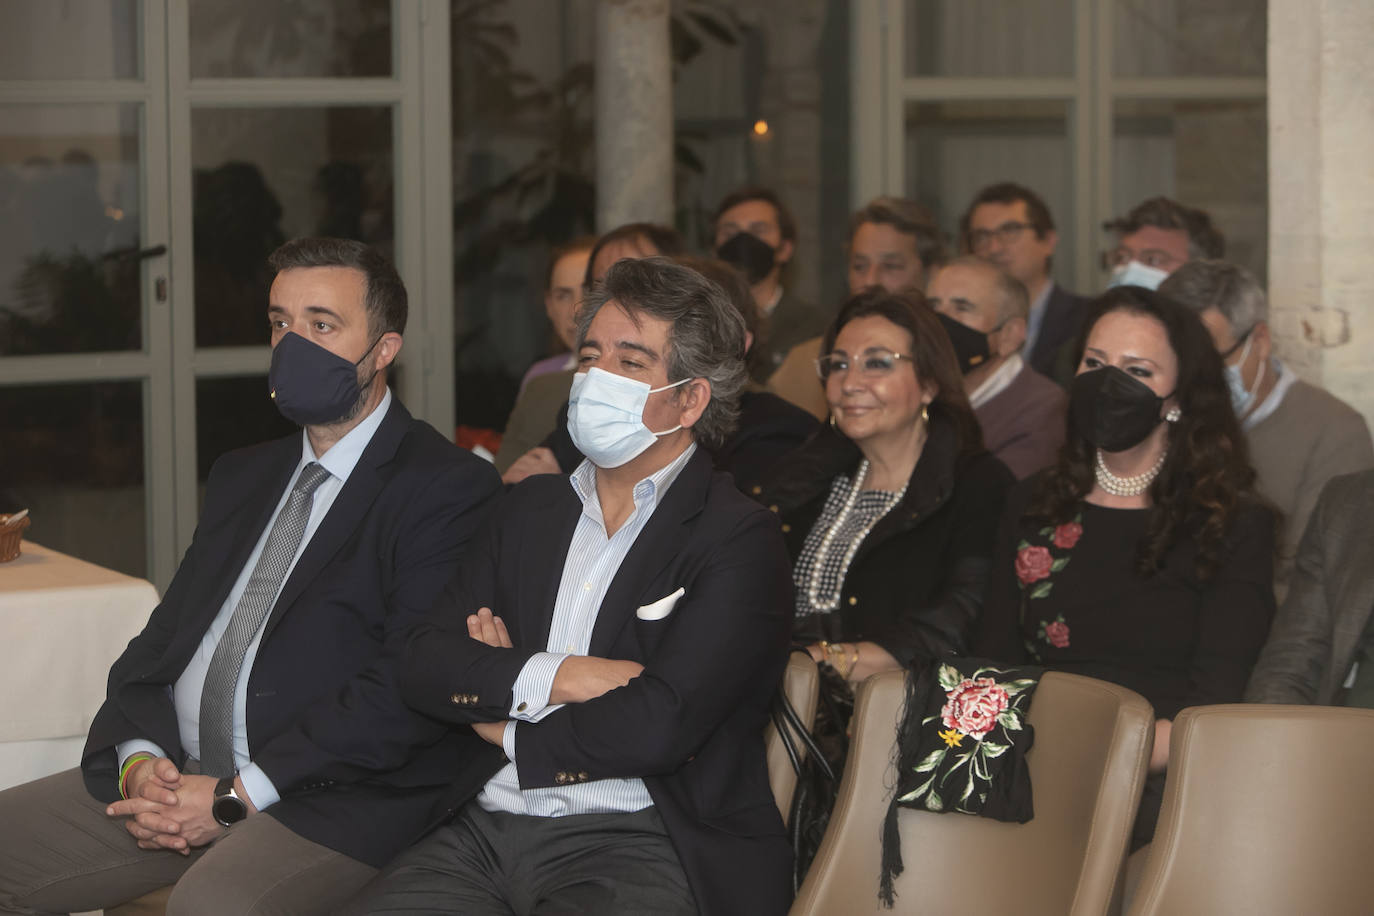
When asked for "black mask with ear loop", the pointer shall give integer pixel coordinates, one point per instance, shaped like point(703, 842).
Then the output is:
point(1113, 410)
point(750, 254)
point(970, 347)
point(312, 386)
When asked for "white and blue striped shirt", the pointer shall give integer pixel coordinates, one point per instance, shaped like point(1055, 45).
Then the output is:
point(592, 563)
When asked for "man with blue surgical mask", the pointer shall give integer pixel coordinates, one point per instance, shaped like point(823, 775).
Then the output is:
point(1156, 238)
point(1299, 435)
point(617, 640)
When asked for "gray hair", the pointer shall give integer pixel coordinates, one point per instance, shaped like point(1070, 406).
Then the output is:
point(705, 335)
point(1226, 287)
point(1012, 299)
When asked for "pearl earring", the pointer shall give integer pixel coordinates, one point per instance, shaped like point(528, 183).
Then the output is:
point(1174, 415)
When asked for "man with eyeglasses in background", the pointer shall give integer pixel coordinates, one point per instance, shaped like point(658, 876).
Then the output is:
point(1010, 225)
point(1158, 237)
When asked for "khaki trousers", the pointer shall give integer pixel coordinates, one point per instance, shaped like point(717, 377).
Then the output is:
point(60, 853)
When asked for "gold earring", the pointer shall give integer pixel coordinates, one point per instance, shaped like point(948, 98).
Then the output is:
point(925, 413)
point(832, 422)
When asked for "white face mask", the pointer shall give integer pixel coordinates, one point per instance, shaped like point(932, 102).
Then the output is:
point(1241, 399)
point(1133, 273)
point(606, 417)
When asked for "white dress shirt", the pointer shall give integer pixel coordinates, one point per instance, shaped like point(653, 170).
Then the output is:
point(339, 461)
point(592, 562)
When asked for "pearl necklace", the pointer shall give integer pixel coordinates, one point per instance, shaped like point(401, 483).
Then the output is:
point(813, 587)
point(1127, 486)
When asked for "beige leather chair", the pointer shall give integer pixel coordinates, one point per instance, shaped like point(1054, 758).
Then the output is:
point(1092, 746)
point(1267, 810)
point(801, 684)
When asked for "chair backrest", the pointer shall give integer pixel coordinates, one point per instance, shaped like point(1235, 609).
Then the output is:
point(1092, 747)
point(801, 684)
point(1267, 809)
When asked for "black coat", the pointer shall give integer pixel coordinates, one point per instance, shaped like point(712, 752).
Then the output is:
point(915, 586)
point(356, 769)
point(691, 725)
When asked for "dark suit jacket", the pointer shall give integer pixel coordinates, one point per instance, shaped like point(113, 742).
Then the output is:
point(1064, 314)
point(356, 769)
point(691, 725)
point(1318, 630)
point(768, 429)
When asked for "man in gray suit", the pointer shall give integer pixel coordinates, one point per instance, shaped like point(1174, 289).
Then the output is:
point(1321, 646)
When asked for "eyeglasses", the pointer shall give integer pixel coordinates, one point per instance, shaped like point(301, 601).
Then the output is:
point(872, 363)
point(981, 239)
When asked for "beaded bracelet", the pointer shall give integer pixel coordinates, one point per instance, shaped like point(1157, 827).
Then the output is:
point(128, 768)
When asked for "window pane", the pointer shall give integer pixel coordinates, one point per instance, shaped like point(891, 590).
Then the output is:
point(954, 149)
point(1185, 38)
point(73, 456)
point(265, 175)
point(268, 38)
point(232, 413)
point(69, 223)
point(989, 38)
point(1210, 155)
point(74, 39)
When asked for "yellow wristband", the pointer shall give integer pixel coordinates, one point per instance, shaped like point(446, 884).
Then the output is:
point(128, 766)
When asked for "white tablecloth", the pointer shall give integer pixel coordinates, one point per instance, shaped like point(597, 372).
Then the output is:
point(63, 621)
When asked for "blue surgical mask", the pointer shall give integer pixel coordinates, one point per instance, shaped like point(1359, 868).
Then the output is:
point(1133, 273)
point(606, 417)
point(1241, 399)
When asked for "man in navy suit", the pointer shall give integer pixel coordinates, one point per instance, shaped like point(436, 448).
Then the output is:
point(253, 747)
point(1010, 225)
point(618, 634)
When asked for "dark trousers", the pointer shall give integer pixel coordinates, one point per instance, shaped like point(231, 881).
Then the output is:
point(501, 864)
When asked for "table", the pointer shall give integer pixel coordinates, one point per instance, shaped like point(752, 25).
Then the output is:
point(63, 622)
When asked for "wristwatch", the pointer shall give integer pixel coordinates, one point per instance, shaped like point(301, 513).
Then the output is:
point(228, 808)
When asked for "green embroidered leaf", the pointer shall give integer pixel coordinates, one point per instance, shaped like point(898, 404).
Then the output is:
point(1059, 564)
point(932, 761)
point(1009, 719)
point(980, 766)
point(994, 750)
point(1041, 590)
point(968, 789)
point(949, 677)
point(1023, 545)
point(928, 719)
point(918, 791)
point(934, 802)
point(1046, 532)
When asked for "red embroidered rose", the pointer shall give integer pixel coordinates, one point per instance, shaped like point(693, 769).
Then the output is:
point(1033, 564)
point(1067, 534)
point(1057, 634)
point(973, 706)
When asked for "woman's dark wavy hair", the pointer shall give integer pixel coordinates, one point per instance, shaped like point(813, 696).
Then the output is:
point(1207, 471)
point(931, 352)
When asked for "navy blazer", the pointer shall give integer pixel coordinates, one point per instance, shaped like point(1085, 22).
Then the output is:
point(357, 770)
point(691, 725)
point(1064, 314)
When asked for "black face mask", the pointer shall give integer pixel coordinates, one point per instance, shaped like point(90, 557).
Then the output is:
point(748, 253)
point(312, 386)
point(970, 346)
point(1113, 410)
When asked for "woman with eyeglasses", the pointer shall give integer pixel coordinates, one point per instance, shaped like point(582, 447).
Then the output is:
point(1143, 556)
point(890, 511)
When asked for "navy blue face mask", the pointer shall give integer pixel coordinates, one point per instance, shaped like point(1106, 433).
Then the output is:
point(312, 386)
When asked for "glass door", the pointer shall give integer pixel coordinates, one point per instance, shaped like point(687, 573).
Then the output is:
point(85, 333)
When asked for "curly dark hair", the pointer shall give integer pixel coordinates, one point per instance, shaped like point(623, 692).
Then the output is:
point(932, 354)
point(1207, 472)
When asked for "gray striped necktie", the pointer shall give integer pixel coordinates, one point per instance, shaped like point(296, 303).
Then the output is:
point(221, 678)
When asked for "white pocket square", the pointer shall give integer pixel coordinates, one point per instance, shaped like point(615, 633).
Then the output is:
point(660, 608)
